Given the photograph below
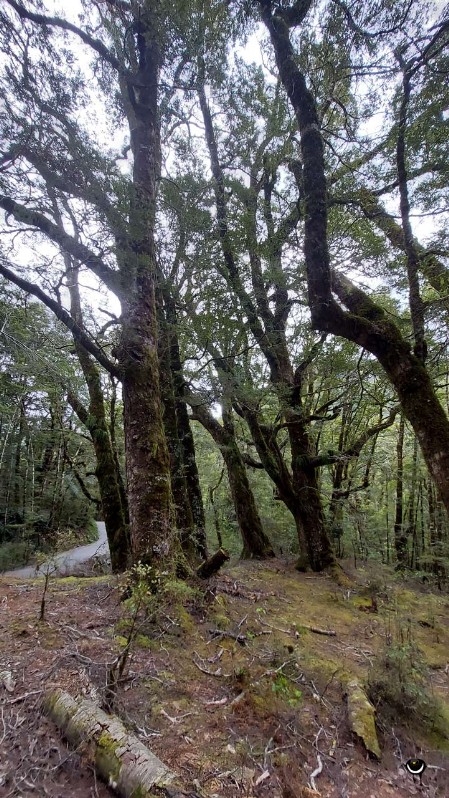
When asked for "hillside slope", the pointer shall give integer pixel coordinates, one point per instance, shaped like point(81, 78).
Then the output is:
point(236, 688)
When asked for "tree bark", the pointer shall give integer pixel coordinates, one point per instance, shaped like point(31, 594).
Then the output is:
point(400, 534)
point(122, 761)
point(153, 534)
point(182, 506)
point(255, 541)
point(184, 431)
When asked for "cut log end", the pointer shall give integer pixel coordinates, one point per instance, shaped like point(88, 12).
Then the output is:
point(210, 566)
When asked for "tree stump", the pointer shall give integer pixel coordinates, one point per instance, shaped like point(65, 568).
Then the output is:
point(122, 761)
point(213, 564)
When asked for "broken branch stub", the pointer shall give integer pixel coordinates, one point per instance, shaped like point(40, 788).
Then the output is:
point(121, 760)
point(213, 564)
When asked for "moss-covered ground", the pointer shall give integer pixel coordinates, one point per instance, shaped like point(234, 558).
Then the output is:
point(239, 685)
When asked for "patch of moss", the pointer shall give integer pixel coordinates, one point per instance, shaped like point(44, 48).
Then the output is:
point(105, 756)
point(142, 641)
point(180, 590)
point(361, 716)
point(220, 620)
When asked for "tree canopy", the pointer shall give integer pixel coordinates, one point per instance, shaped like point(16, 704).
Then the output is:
point(235, 217)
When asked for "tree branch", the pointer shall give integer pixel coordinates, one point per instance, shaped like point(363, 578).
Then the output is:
point(58, 22)
point(66, 319)
point(75, 248)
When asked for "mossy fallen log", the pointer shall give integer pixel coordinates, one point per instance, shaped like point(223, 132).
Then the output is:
point(213, 564)
point(361, 716)
point(120, 759)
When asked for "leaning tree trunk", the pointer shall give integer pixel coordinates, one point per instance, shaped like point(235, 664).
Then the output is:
point(255, 541)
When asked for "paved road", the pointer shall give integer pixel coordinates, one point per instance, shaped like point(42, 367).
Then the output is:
point(67, 559)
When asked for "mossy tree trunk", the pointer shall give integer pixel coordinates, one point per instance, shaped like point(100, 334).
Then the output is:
point(184, 430)
point(94, 419)
point(120, 759)
point(255, 541)
point(153, 531)
point(182, 505)
point(400, 534)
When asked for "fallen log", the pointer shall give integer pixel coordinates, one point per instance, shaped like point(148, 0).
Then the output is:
point(213, 564)
point(361, 717)
point(122, 761)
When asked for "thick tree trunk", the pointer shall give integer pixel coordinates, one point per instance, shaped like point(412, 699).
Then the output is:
point(308, 505)
point(147, 462)
point(182, 506)
point(153, 532)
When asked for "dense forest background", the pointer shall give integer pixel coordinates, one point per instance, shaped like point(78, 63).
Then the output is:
point(224, 280)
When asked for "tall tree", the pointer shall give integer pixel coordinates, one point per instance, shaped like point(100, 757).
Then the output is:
point(132, 50)
point(364, 322)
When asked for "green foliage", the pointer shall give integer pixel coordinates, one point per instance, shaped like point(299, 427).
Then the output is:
point(13, 555)
point(398, 685)
point(286, 690)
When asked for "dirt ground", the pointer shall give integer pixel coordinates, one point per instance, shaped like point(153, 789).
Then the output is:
point(234, 687)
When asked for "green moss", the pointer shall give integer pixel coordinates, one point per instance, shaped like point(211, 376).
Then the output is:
point(361, 715)
point(105, 756)
point(142, 641)
point(221, 620)
point(179, 590)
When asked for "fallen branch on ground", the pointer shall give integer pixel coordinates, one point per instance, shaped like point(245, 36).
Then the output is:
point(239, 638)
point(318, 631)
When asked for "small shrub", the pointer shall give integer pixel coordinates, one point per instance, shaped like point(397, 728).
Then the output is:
point(284, 688)
point(398, 685)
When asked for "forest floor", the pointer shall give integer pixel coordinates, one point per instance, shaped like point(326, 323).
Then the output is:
point(231, 688)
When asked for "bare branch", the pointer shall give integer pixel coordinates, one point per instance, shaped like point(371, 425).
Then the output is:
point(58, 22)
point(69, 244)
